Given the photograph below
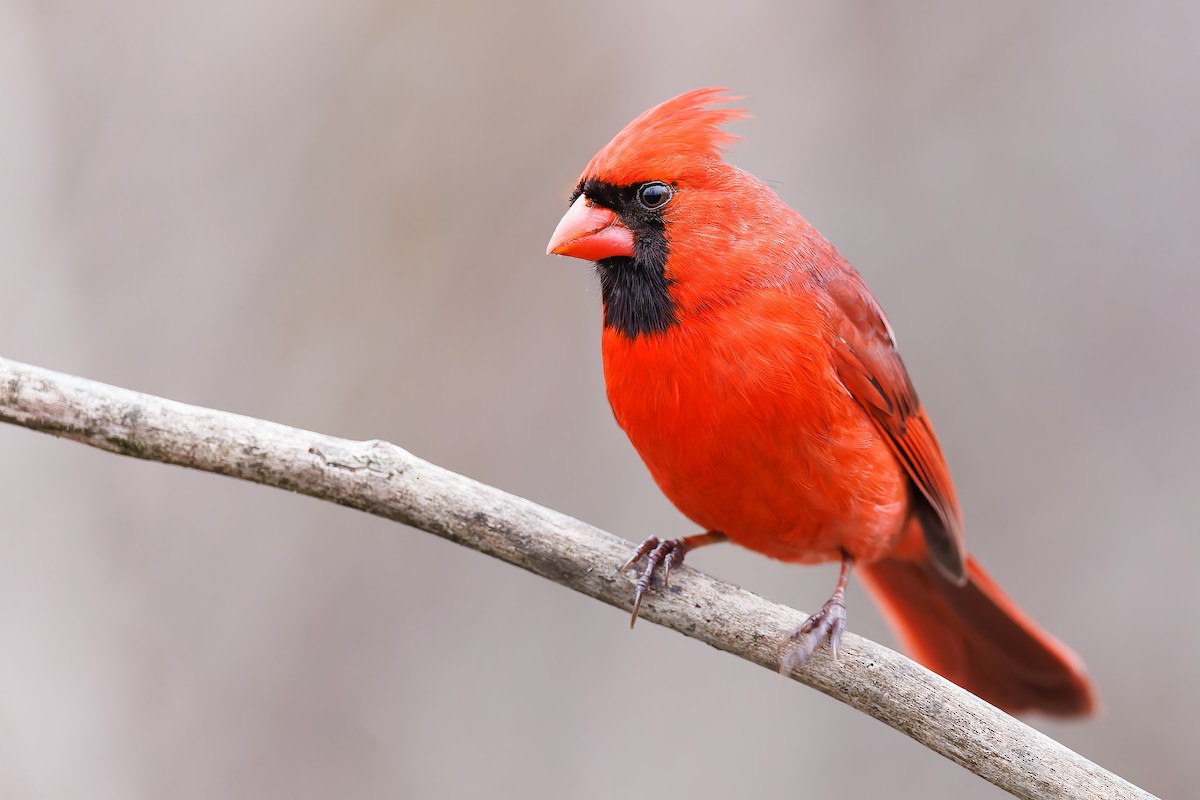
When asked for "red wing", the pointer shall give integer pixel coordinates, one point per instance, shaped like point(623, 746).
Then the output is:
point(871, 370)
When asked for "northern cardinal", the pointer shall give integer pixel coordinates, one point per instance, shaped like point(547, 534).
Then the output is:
point(759, 380)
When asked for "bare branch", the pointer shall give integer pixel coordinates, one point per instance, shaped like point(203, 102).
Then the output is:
point(385, 480)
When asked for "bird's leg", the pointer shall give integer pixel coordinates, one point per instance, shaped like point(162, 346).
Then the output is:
point(667, 553)
point(825, 625)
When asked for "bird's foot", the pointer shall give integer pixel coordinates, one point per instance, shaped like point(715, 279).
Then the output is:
point(824, 626)
point(659, 552)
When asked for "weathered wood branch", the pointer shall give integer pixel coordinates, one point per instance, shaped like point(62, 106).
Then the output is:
point(382, 479)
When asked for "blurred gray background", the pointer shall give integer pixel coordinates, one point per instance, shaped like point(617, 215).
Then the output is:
point(334, 215)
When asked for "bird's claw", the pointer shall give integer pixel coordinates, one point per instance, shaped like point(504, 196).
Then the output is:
point(824, 626)
point(665, 552)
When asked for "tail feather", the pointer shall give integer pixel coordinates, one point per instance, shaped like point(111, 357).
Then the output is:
point(977, 637)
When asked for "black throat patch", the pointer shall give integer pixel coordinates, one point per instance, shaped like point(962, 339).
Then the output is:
point(636, 291)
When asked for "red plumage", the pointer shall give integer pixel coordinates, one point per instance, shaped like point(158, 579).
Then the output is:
point(759, 380)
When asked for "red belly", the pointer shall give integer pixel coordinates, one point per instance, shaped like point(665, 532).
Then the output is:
point(755, 437)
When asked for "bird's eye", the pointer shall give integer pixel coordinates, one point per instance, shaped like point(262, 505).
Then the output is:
point(654, 196)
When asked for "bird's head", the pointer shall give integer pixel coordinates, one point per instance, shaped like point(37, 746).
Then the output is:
point(656, 197)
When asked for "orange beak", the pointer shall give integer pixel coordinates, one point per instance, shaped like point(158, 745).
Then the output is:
point(590, 232)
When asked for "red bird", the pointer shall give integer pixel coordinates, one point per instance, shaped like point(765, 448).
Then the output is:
point(759, 380)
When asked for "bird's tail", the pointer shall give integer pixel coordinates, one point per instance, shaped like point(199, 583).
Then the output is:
point(976, 636)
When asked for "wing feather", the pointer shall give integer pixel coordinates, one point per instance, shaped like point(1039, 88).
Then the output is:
point(870, 368)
